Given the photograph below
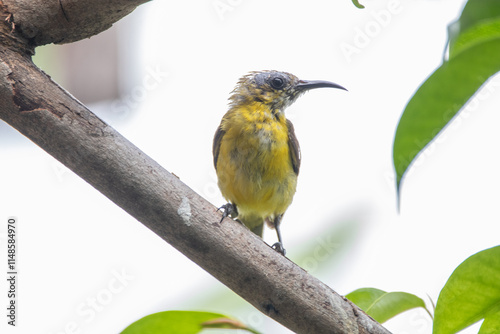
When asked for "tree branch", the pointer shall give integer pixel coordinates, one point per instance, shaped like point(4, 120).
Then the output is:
point(64, 21)
point(45, 113)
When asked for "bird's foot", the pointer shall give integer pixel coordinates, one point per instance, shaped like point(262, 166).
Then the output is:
point(229, 210)
point(279, 248)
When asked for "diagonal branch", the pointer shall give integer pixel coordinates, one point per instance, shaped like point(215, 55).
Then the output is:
point(45, 113)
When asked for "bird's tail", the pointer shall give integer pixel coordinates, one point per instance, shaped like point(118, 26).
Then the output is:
point(258, 230)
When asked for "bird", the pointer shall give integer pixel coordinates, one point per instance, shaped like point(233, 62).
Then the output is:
point(255, 151)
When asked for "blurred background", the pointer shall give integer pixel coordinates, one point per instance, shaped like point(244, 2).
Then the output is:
point(162, 76)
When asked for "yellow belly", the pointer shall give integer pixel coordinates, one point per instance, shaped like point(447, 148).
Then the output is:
point(254, 169)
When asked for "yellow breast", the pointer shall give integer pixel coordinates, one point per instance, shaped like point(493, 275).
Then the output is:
point(254, 167)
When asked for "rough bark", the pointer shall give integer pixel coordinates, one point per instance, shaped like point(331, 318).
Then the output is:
point(50, 117)
point(64, 21)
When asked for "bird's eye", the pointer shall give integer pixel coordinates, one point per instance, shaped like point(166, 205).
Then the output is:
point(277, 82)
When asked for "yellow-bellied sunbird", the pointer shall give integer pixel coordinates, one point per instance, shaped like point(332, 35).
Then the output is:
point(256, 153)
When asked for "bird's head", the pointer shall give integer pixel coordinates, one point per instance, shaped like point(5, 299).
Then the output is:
point(276, 89)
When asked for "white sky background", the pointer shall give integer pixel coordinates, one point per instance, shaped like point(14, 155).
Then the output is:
point(74, 242)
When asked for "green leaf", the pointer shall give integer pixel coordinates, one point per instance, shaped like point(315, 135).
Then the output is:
point(485, 31)
point(471, 293)
point(182, 322)
point(491, 324)
point(473, 14)
point(381, 305)
point(439, 98)
point(226, 323)
point(474, 57)
point(357, 4)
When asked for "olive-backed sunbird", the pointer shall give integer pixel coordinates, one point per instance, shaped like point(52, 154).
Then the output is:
point(256, 154)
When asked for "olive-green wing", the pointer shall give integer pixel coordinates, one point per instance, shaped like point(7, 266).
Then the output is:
point(216, 144)
point(293, 145)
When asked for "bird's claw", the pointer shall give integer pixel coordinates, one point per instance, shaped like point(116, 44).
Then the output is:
point(279, 248)
point(229, 210)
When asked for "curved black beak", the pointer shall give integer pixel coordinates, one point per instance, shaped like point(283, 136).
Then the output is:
point(304, 85)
